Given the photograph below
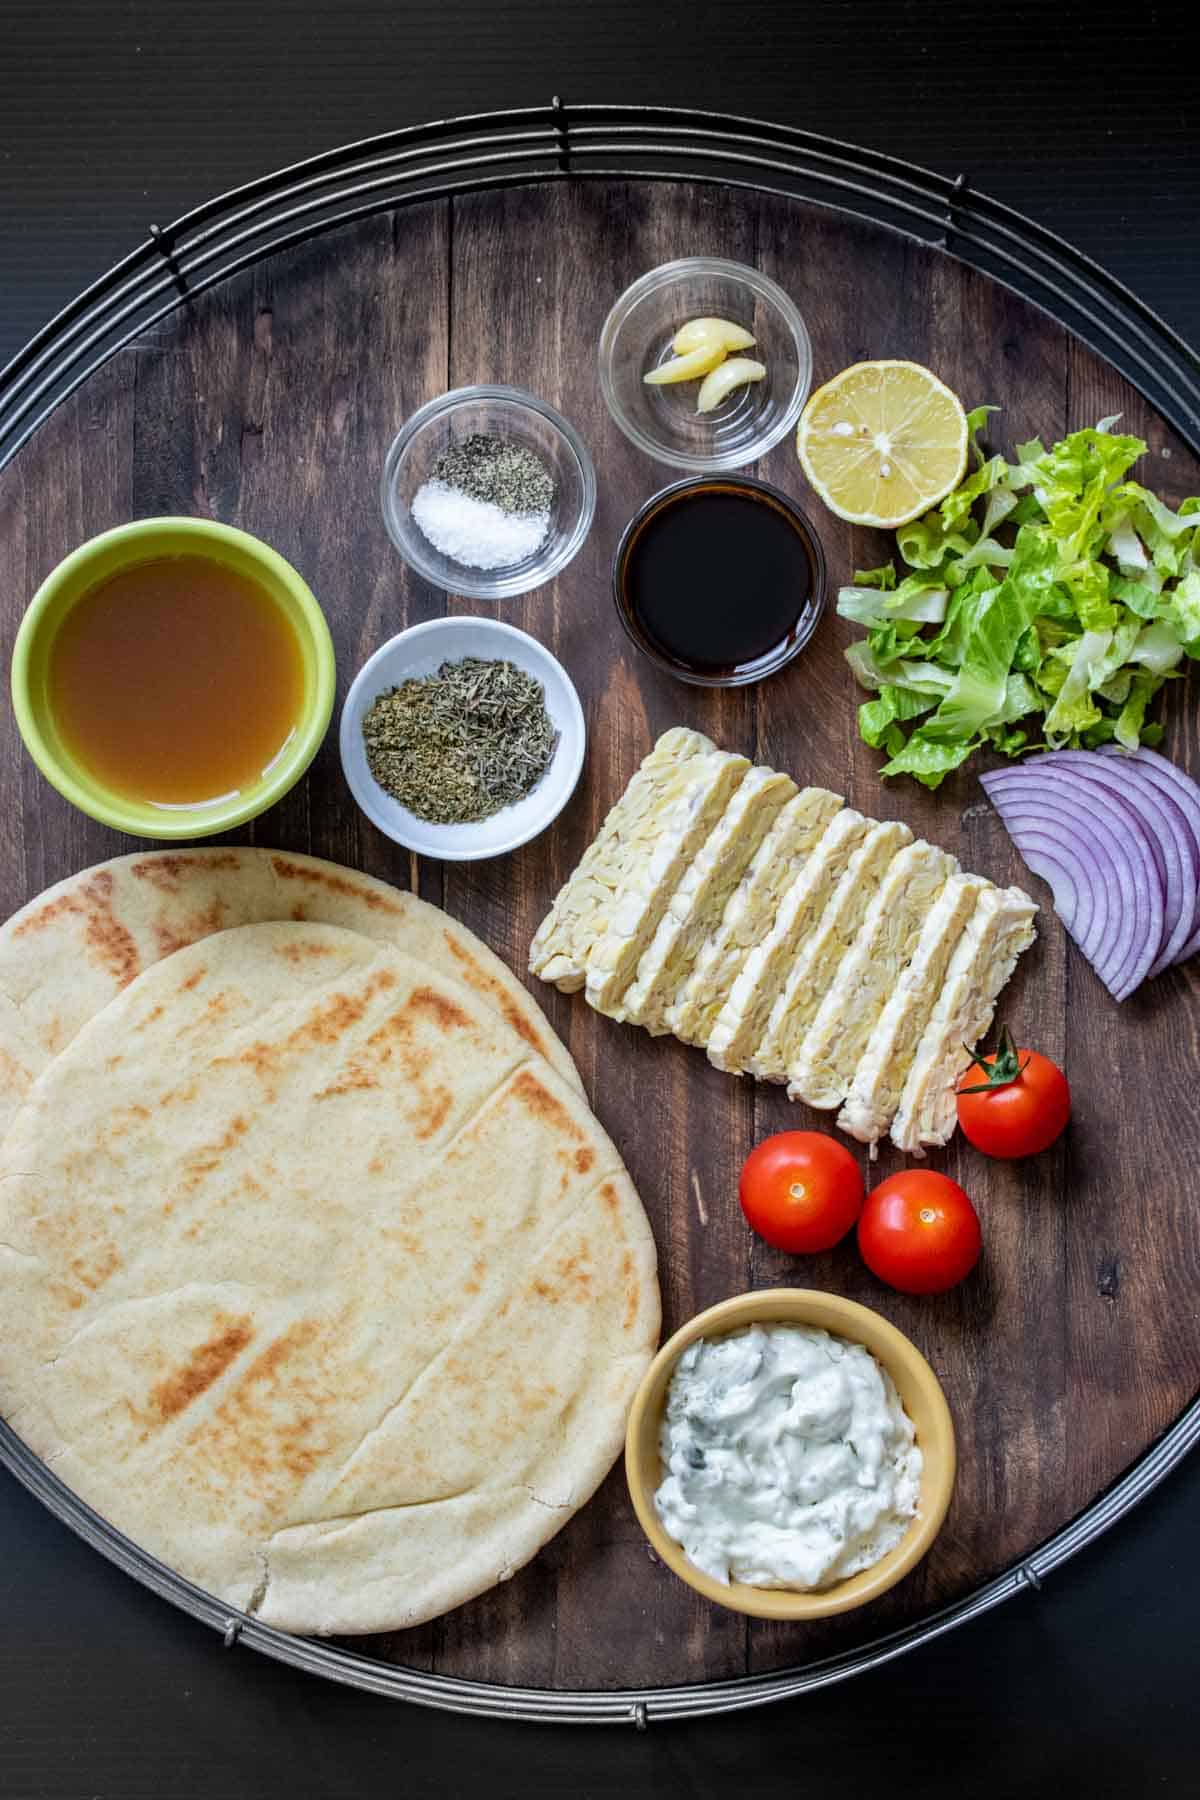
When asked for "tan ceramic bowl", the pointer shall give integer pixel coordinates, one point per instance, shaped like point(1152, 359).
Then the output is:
point(919, 1391)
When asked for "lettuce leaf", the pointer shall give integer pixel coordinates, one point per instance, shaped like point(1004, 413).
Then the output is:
point(1051, 585)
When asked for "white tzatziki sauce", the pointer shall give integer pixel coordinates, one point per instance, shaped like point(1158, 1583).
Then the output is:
point(790, 1460)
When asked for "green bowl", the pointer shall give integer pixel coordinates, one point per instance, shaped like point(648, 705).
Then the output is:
point(98, 560)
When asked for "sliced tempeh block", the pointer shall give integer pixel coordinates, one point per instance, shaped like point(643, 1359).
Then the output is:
point(821, 1070)
point(649, 878)
point(579, 914)
point(743, 1018)
point(749, 913)
point(874, 1092)
point(996, 933)
point(819, 955)
point(696, 906)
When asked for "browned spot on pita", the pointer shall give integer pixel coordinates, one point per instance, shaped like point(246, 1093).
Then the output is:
point(14, 1077)
point(205, 1365)
point(608, 1196)
point(427, 1123)
point(474, 1281)
point(279, 1421)
point(68, 1296)
point(167, 870)
point(445, 1013)
point(532, 1399)
point(334, 1017)
point(204, 1161)
point(631, 1296)
point(214, 1008)
point(573, 1278)
point(93, 1275)
point(107, 942)
point(334, 884)
point(304, 951)
point(354, 1080)
point(543, 1105)
point(113, 1062)
point(584, 1159)
point(375, 1166)
point(262, 1058)
point(485, 983)
point(476, 1225)
point(191, 981)
point(168, 939)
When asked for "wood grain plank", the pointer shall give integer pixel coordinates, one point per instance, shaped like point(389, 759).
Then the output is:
point(73, 480)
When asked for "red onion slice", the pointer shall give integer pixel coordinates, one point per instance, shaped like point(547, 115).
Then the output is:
point(1170, 841)
point(1080, 881)
point(1186, 794)
point(1087, 818)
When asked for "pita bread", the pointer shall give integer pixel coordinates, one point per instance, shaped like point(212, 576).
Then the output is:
point(317, 1282)
point(73, 949)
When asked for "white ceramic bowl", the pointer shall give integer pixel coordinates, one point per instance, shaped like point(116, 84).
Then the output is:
point(421, 650)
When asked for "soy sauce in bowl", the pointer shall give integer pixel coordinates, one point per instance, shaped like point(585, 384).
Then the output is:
point(720, 581)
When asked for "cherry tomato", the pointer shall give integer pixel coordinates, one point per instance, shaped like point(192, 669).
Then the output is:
point(801, 1190)
point(919, 1232)
point(1013, 1102)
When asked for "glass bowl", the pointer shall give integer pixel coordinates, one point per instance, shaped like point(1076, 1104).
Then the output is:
point(504, 412)
point(663, 421)
point(809, 611)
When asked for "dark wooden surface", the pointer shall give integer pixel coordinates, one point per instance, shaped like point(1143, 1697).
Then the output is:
point(270, 405)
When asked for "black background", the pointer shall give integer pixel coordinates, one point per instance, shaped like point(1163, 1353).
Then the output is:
point(114, 115)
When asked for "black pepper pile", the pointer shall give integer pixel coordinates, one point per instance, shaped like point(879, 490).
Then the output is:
point(461, 745)
point(507, 474)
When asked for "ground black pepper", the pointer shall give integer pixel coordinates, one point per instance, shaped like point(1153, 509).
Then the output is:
point(490, 468)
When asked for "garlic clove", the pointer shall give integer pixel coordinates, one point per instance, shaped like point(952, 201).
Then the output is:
point(737, 372)
point(687, 368)
point(698, 332)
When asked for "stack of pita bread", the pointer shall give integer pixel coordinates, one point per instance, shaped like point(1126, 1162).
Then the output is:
point(318, 1277)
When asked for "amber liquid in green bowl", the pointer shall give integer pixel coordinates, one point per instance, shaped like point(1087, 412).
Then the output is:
point(177, 681)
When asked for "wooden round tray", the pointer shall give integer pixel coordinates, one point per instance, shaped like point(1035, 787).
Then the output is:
point(269, 402)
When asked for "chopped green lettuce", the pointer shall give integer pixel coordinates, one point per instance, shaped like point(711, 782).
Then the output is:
point(1044, 602)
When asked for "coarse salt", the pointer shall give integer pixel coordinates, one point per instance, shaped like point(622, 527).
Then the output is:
point(477, 533)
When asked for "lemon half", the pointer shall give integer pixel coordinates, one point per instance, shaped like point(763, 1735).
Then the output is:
point(883, 442)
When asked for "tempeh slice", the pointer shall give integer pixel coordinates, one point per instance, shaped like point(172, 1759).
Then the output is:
point(997, 932)
point(820, 955)
point(874, 1092)
point(743, 1018)
point(695, 908)
point(649, 879)
point(579, 914)
point(821, 1070)
point(749, 913)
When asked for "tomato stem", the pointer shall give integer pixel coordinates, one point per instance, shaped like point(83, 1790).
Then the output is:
point(1002, 1068)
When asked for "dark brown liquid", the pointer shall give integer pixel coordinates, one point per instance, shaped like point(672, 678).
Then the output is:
point(176, 681)
point(717, 579)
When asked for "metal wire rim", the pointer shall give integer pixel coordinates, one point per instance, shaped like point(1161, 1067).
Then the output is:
point(516, 148)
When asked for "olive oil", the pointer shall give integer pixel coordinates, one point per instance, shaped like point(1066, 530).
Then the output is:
point(719, 580)
point(177, 681)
